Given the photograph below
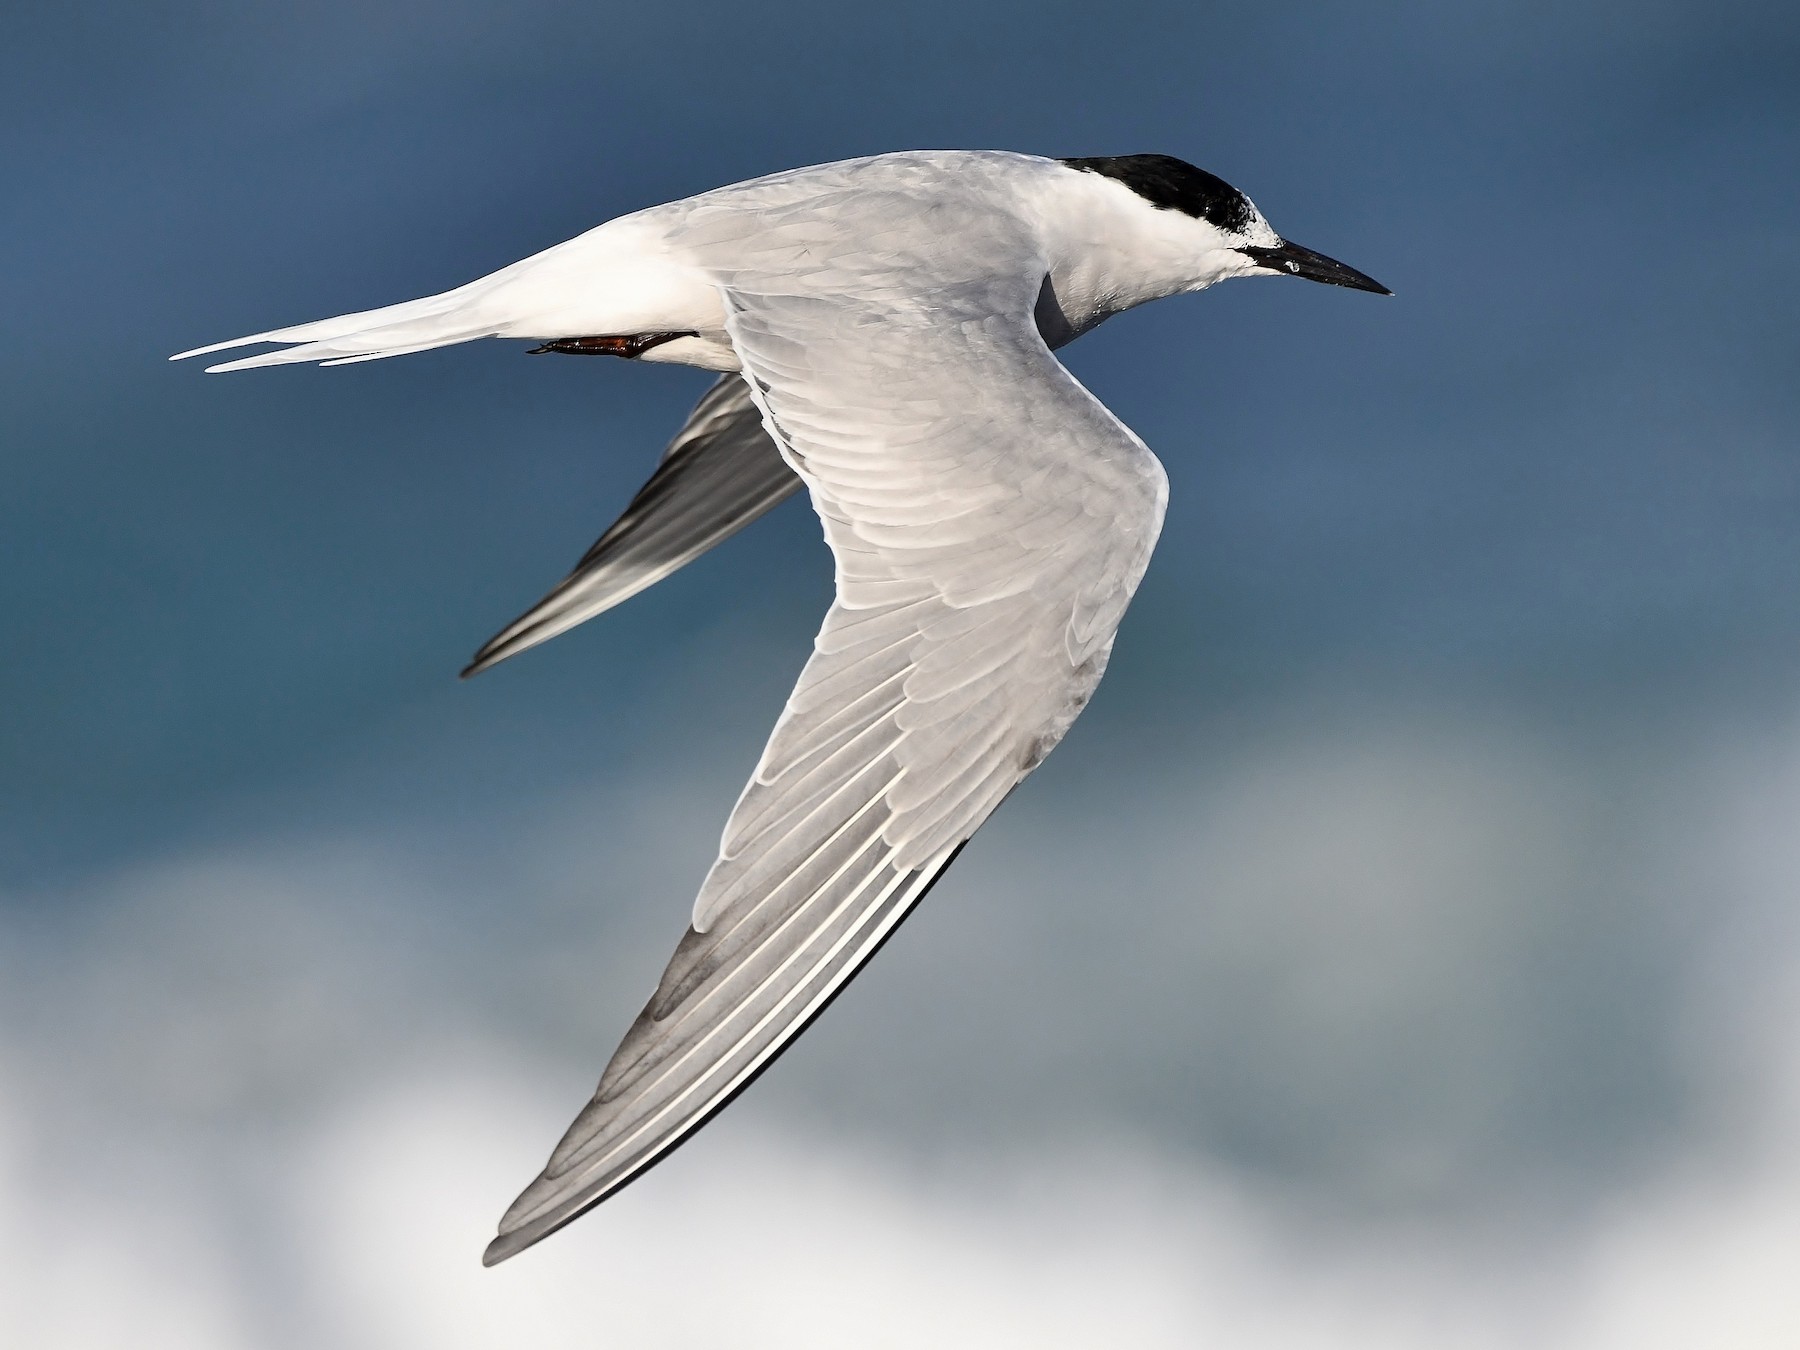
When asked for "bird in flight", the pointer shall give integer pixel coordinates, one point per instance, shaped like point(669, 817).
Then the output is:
point(885, 328)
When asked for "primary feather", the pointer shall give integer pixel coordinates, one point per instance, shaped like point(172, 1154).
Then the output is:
point(721, 472)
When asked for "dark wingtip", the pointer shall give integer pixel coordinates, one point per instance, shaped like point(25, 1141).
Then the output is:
point(510, 1244)
point(491, 654)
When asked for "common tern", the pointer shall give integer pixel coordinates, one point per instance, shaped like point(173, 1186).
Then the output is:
point(884, 326)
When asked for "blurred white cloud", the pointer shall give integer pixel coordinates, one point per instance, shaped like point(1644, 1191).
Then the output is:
point(278, 1098)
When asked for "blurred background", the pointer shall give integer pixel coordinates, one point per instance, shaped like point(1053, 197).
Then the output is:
point(1404, 950)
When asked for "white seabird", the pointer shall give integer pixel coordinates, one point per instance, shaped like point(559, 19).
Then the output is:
point(886, 327)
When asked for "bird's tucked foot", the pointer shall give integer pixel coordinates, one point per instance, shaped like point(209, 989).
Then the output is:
point(629, 346)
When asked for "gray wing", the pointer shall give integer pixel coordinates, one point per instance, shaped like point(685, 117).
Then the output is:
point(989, 520)
point(719, 473)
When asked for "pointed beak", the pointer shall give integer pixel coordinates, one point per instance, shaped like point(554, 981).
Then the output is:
point(1303, 262)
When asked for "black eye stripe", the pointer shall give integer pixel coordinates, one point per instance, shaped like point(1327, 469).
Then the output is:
point(1175, 185)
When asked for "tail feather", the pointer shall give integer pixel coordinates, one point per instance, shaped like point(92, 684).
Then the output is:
point(370, 346)
point(415, 326)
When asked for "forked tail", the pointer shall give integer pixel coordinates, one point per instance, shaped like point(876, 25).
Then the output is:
point(415, 326)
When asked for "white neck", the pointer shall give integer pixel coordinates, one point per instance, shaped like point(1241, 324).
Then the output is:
point(1110, 249)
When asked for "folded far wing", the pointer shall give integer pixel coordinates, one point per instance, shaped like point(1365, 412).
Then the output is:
point(720, 473)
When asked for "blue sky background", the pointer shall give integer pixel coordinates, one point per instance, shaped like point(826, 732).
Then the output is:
point(1401, 950)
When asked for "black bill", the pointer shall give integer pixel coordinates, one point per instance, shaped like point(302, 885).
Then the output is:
point(1303, 262)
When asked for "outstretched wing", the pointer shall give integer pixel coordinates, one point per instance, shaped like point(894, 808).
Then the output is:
point(720, 473)
point(990, 520)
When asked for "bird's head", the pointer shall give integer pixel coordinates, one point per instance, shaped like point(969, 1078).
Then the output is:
point(1228, 234)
